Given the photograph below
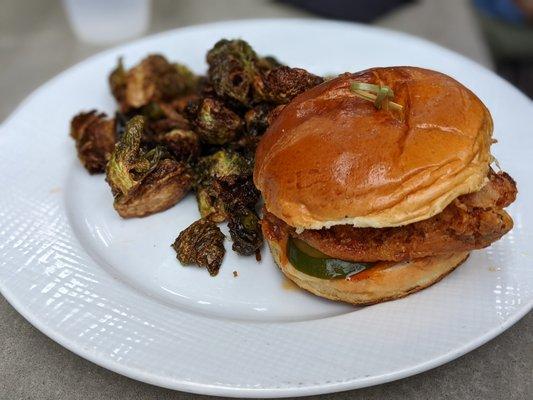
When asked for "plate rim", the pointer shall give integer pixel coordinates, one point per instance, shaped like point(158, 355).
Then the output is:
point(242, 392)
point(139, 374)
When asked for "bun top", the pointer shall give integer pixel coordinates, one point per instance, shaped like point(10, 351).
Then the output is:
point(332, 158)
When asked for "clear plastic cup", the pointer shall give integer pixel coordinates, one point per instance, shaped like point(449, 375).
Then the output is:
point(108, 21)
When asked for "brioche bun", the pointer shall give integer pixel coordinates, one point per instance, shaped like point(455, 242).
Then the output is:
point(331, 158)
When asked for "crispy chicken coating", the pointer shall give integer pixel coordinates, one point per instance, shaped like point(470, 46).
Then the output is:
point(472, 221)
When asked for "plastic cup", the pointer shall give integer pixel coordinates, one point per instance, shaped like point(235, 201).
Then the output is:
point(108, 21)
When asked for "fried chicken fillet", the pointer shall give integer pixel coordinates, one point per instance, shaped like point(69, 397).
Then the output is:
point(470, 222)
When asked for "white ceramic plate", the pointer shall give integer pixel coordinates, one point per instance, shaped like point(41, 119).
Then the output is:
point(112, 291)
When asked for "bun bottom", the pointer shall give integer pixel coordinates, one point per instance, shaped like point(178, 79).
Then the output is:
point(383, 282)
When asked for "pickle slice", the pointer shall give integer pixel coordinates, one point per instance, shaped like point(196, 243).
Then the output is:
point(312, 262)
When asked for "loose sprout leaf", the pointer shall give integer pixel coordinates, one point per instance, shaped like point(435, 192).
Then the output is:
point(94, 134)
point(202, 243)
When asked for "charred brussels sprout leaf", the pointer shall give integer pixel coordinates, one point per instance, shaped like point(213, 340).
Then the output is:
point(202, 243)
point(127, 160)
point(257, 119)
point(144, 182)
point(282, 84)
point(153, 111)
point(246, 145)
point(165, 125)
point(235, 72)
point(215, 123)
point(236, 191)
point(184, 145)
point(245, 231)
point(217, 198)
point(268, 62)
point(223, 163)
point(189, 80)
point(118, 81)
point(95, 139)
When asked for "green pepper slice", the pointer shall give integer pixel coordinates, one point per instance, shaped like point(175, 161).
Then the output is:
point(312, 262)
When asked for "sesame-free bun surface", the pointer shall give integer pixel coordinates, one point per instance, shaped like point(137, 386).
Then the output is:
point(383, 282)
point(331, 158)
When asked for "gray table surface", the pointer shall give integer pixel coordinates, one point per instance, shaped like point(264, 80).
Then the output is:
point(36, 44)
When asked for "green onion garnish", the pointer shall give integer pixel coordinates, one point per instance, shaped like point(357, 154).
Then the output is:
point(380, 95)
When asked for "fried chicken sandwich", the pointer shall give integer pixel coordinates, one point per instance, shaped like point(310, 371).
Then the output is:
point(378, 184)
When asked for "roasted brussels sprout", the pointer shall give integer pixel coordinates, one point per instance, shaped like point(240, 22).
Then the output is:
point(94, 134)
point(117, 83)
point(160, 189)
point(188, 79)
point(257, 119)
point(282, 84)
point(222, 164)
point(245, 231)
point(215, 123)
point(180, 104)
point(184, 145)
point(224, 194)
point(166, 125)
point(210, 172)
point(167, 111)
point(268, 63)
point(144, 182)
point(246, 146)
point(153, 79)
point(202, 243)
point(162, 118)
point(236, 191)
point(154, 111)
point(234, 71)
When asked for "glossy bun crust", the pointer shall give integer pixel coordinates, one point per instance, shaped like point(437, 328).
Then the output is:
point(383, 282)
point(331, 158)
